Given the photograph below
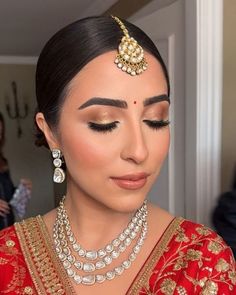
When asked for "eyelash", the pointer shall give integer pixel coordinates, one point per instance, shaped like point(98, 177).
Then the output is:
point(154, 124)
point(103, 127)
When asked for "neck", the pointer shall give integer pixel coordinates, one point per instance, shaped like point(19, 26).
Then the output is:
point(90, 220)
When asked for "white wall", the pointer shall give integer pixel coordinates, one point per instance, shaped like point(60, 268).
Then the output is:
point(229, 95)
point(25, 159)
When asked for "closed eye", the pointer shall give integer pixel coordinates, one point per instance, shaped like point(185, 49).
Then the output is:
point(103, 127)
point(155, 124)
point(109, 127)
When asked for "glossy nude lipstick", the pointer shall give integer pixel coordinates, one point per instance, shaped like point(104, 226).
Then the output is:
point(131, 181)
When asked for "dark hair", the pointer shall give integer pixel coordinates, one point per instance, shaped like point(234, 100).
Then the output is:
point(2, 140)
point(69, 50)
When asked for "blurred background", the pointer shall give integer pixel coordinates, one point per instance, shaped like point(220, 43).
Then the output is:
point(202, 157)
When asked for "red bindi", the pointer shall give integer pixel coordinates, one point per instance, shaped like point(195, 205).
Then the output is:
point(135, 102)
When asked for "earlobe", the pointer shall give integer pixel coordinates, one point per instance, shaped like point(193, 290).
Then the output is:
point(48, 133)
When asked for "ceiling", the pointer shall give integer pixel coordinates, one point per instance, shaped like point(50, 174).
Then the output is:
point(26, 25)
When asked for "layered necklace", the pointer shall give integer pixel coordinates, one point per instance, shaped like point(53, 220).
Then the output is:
point(80, 263)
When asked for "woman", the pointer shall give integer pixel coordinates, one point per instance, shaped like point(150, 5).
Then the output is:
point(224, 215)
point(104, 116)
point(6, 185)
point(7, 188)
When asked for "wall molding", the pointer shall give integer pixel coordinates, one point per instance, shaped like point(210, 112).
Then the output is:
point(209, 104)
point(203, 107)
point(18, 60)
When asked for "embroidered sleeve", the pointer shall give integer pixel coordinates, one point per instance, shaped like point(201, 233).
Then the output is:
point(214, 267)
point(13, 278)
point(195, 261)
point(221, 277)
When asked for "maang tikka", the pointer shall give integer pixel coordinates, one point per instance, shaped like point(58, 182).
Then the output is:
point(59, 174)
point(130, 58)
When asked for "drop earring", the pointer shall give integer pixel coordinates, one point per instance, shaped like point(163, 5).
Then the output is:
point(59, 174)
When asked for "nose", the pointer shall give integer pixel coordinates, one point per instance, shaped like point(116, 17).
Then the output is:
point(135, 146)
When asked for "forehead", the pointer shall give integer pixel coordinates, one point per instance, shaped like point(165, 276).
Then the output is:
point(101, 77)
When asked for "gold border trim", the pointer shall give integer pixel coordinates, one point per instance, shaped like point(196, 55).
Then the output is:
point(142, 278)
point(57, 264)
point(38, 250)
point(26, 253)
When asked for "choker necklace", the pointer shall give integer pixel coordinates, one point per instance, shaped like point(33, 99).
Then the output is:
point(80, 263)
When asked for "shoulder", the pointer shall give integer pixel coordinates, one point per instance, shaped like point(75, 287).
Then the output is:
point(201, 242)
point(204, 238)
point(193, 230)
point(192, 259)
point(204, 253)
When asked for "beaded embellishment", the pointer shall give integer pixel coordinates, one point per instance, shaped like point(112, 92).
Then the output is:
point(130, 57)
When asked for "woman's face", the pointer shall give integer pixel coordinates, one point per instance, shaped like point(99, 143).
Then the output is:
point(102, 142)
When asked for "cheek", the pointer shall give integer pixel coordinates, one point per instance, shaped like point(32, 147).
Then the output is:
point(86, 150)
point(160, 149)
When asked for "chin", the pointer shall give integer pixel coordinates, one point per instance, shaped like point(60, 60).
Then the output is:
point(128, 204)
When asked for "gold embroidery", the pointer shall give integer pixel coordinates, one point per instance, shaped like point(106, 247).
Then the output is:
point(214, 247)
point(211, 288)
point(193, 236)
point(3, 261)
point(10, 243)
point(209, 273)
point(11, 258)
point(181, 290)
point(46, 274)
point(194, 281)
point(222, 265)
point(61, 271)
point(28, 290)
point(204, 231)
point(202, 282)
point(168, 286)
point(232, 276)
point(27, 247)
point(180, 263)
point(193, 254)
point(181, 237)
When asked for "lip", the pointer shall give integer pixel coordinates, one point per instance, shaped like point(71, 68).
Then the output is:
point(131, 181)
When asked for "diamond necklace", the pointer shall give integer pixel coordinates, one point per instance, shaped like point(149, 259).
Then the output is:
point(65, 244)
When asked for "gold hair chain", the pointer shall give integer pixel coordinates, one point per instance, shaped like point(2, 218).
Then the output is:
point(130, 58)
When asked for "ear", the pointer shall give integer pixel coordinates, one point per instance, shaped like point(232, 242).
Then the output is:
point(48, 133)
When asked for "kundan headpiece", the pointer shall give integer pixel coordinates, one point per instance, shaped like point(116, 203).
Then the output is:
point(130, 58)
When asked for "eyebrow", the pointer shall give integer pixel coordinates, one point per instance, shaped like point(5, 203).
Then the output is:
point(156, 99)
point(122, 103)
point(105, 101)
